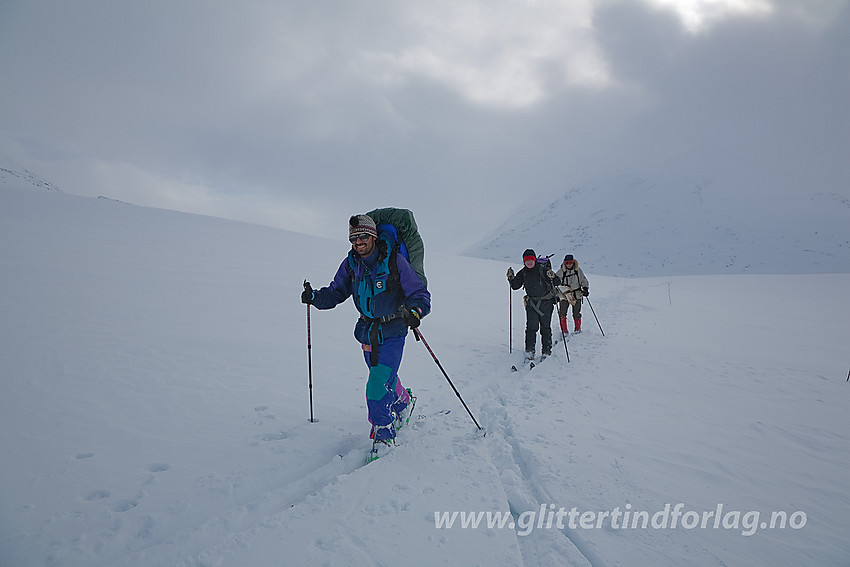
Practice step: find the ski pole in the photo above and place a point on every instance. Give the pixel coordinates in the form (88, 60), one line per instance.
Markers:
(419, 337)
(594, 315)
(510, 320)
(309, 360)
(563, 337)
(564, 340)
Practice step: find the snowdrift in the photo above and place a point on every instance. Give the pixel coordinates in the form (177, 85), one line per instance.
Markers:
(155, 410)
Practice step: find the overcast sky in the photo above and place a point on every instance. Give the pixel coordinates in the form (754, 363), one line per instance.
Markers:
(298, 113)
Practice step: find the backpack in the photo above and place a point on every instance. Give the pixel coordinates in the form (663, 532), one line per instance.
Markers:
(547, 265)
(398, 228)
(546, 261)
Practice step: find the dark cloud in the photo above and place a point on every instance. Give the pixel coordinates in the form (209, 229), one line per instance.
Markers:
(300, 113)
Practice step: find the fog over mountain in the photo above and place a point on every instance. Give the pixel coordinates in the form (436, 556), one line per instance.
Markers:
(634, 226)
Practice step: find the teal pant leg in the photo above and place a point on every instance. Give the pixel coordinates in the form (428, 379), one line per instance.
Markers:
(383, 385)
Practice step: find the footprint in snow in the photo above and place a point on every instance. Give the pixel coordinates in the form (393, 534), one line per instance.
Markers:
(96, 495)
(125, 505)
(262, 414)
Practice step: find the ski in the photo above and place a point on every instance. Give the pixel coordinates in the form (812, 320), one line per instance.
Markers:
(555, 341)
(529, 364)
(526, 364)
(379, 449)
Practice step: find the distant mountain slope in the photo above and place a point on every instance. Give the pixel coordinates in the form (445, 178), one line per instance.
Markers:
(629, 226)
(11, 176)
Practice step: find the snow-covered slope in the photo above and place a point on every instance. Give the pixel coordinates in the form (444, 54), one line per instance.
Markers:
(629, 226)
(154, 410)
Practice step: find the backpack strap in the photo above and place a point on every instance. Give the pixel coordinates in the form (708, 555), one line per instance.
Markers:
(541, 273)
(395, 277)
(388, 234)
(394, 280)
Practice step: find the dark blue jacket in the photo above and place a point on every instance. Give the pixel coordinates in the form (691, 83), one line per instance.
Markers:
(376, 294)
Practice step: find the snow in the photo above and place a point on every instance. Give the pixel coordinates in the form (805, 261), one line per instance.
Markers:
(155, 408)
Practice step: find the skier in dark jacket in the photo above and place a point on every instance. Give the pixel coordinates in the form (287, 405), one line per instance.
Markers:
(390, 299)
(539, 282)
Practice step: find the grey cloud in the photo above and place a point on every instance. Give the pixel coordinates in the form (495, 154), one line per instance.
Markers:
(331, 107)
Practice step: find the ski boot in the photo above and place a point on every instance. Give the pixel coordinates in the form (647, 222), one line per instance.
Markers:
(383, 439)
(402, 417)
(563, 322)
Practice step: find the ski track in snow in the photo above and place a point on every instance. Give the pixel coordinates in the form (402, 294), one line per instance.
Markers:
(340, 475)
(523, 492)
(525, 477)
(307, 480)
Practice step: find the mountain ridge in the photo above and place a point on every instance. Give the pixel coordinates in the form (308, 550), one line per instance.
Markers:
(632, 226)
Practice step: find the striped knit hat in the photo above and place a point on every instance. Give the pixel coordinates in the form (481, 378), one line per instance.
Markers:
(362, 224)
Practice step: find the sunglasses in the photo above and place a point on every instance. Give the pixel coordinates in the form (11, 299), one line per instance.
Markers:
(358, 237)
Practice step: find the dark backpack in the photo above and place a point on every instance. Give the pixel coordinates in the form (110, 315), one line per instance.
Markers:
(547, 265)
(398, 228)
(546, 261)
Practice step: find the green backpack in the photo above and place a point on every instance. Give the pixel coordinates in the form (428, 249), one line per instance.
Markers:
(400, 226)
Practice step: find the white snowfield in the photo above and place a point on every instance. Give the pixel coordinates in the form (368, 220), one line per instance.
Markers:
(154, 410)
